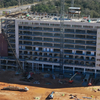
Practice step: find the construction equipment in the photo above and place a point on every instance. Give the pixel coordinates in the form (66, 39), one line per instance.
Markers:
(51, 95)
(70, 80)
(61, 34)
(15, 88)
(86, 77)
(18, 62)
(90, 82)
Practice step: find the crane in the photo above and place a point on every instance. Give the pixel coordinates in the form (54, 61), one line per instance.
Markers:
(61, 33)
(5, 36)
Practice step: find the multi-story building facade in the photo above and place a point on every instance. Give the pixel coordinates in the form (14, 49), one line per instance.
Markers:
(37, 45)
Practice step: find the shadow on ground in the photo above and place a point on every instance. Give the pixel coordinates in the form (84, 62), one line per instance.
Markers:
(41, 80)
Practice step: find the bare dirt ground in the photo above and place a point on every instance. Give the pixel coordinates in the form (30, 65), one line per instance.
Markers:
(42, 90)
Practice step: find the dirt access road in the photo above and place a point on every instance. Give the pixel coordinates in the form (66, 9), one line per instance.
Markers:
(41, 91)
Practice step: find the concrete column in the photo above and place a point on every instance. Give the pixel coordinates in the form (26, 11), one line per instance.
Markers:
(74, 30)
(95, 73)
(52, 44)
(63, 69)
(32, 66)
(6, 67)
(0, 63)
(52, 68)
(84, 71)
(73, 51)
(84, 52)
(23, 65)
(53, 29)
(6, 61)
(42, 68)
(73, 70)
(53, 34)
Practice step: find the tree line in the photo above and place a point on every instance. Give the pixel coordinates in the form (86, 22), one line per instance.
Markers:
(88, 7)
(7, 3)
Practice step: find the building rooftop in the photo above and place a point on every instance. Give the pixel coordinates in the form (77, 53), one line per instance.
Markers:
(74, 8)
(54, 18)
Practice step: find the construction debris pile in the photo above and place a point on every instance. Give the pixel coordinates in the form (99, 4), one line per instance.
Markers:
(15, 88)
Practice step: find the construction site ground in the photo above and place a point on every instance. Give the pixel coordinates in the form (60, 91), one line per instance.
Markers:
(42, 90)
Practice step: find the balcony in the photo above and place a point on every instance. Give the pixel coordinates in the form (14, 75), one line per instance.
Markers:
(47, 29)
(13, 37)
(69, 46)
(27, 27)
(91, 43)
(69, 36)
(57, 35)
(91, 32)
(37, 34)
(11, 64)
(91, 48)
(69, 31)
(38, 39)
(80, 36)
(13, 47)
(56, 30)
(10, 22)
(26, 38)
(90, 54)
(38, 43)
(57, 45)
(28, 33)
(91, 38)
(48, 39)
(29, 44)
(48, 34)
(11, 26)
(57, 40)
(11, 32)
(80, 47)
(9, 57)
(48, 44)
(80, 42)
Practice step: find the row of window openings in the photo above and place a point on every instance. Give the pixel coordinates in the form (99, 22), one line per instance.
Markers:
(65, 51)
(58, 45)
(8, 62)
(58, 55)
(8, 21)
(66, 25)
(57, 60)
(58, 29)
(67, 35)
(58, 40)
(50, 39)
(76, 57)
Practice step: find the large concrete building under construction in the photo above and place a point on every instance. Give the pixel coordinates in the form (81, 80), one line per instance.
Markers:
(36, 42)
